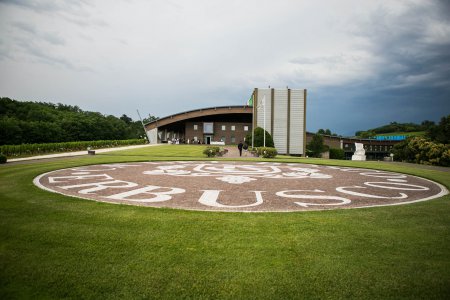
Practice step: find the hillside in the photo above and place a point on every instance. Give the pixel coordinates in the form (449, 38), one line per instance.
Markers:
(395, 128)
(35, 122)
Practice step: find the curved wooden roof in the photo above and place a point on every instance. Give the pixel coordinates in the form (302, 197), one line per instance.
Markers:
(220, 110)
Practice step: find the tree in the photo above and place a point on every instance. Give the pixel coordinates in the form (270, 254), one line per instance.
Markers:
(126, 119)
(441, 132)
(259, 138)
(150, 118)
(316, 146)
(34, 122)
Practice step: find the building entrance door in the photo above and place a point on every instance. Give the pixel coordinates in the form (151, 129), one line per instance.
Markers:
(208, 139)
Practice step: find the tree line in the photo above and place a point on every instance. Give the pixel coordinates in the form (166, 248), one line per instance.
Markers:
(44, 122)
(396, 127)
(432, 149)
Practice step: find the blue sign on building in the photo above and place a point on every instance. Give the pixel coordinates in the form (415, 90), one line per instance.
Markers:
(391, 137)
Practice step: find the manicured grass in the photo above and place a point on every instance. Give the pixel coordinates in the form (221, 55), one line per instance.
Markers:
(53, 246)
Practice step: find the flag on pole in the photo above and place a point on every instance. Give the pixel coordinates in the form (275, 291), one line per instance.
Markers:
(262, 102)
(250, 101)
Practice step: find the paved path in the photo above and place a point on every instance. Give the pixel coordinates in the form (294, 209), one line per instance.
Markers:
(233, 152)
(76, 153)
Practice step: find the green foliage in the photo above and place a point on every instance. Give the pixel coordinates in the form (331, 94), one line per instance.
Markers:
(267, 152)
(441, 132)
(422, 151)
(149, 119)
(259, 138)
(211, 151)
(38, 149)
(395, 127)
(316, 146)
(3, 158)
(32, 122)
(326, 132)
(336, 153)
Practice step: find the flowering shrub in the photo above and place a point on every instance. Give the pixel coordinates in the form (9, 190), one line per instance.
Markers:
(211, 151)
(422, 151)
(266, 152)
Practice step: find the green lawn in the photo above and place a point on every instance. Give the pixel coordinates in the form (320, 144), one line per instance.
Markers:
(53, 246)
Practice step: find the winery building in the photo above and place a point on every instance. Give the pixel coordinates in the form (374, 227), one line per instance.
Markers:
(280, 111)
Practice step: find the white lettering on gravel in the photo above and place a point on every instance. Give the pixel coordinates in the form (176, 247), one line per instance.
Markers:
(284, 194)
(98, 186)
(158, 196)
(78, 177)
(210, 198)
(342, 190)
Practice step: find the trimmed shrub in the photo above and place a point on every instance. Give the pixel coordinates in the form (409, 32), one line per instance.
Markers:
(3, 158)
(267, 152)
(259, 138)
(211, 151)
(337, 153)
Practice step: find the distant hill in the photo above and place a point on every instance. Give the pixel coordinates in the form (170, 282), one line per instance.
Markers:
(395, 128)
(37, 122)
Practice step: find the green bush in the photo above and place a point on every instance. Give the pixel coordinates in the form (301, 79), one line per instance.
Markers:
(3, 158)
(422, 151)
(211, 151)
(38, 149)
(259, 138)
(267, 152)
(336, 153)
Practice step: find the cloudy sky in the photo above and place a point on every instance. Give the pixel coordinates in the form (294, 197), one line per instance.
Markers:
(364, 63)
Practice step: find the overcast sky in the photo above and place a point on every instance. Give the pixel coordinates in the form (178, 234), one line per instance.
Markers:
(364, 63)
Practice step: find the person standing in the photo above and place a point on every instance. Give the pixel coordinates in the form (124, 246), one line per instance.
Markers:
(240, 145)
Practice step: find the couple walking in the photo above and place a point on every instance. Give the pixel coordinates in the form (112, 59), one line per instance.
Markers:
(242, 146)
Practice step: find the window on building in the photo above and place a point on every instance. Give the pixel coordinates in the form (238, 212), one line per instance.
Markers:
(208, 128)
(233, 128)
(195, 138)
(224, 127)
(222, 139)
(245, 128)
(233, 139)
(195, 127)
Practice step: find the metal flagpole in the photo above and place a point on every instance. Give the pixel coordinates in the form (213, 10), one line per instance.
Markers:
(264, 105)
(145, 131)
(255, 105)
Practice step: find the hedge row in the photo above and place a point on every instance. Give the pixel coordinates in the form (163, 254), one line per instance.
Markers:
(38, 149)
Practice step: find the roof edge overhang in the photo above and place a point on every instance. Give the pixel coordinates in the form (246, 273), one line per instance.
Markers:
(217, 110)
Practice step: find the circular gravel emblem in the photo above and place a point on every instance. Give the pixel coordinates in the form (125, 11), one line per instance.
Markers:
(239, 186)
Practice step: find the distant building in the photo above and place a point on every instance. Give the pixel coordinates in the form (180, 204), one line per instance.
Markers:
(375, 149)
(280, 111)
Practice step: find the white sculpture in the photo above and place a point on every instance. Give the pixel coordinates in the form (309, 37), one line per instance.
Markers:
(360, 153)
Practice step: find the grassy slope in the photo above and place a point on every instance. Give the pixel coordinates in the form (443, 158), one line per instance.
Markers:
(54, 246)
(415, 133)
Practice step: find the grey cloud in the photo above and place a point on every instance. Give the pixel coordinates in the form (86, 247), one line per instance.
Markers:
(46, 5)
(405, 41)
(330, 60)
(49, 37)
(75, 12)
